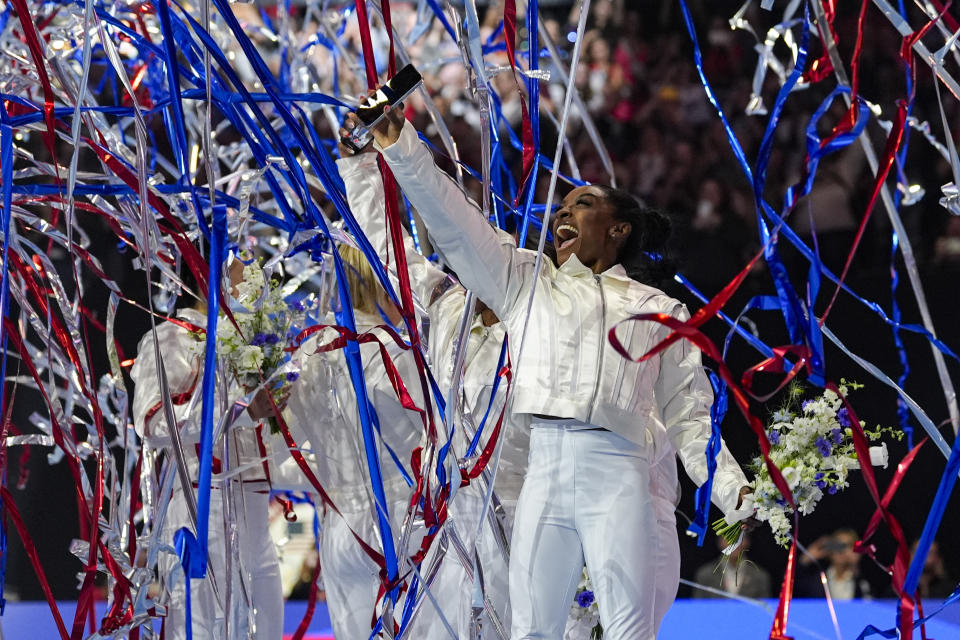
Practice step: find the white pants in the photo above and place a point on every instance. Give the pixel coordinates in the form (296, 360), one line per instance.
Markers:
(667, 581)
(351, 580)
(668, 569)
(586, 499)
(257, 558)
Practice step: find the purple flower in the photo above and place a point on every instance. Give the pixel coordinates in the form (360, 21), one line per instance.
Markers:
(837, 436)
(820, 482)
(832, 490)
(292, 376)
(271, 338)
(843, 417)
(585, 598)
(824, 446)
(297, 305)
(258, 340)
(774, 436)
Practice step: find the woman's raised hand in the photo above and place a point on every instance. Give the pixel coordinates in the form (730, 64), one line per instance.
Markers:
(385, 133)
(388, 129)
(350, 123)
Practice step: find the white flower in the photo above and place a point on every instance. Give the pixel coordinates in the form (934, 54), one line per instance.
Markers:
(879, 456)
(792, 476)
(250, 358)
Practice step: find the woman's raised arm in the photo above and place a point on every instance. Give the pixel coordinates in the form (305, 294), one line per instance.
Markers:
(361, 175)
(484, 258)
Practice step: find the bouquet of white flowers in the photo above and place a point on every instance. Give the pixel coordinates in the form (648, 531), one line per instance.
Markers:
(812, 445)
(584, 612)
(256, 347)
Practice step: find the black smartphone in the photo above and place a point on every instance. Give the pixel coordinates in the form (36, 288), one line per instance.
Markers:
(371, 111)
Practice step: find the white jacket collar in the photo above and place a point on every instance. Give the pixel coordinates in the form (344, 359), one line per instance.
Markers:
(574, 267)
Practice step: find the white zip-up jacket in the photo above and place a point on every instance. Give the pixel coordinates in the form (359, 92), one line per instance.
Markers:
(322, 402)
(569, 369)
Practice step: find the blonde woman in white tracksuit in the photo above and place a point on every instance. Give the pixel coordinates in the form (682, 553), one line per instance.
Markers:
(599, 421)
(324, 404)
(443, 302)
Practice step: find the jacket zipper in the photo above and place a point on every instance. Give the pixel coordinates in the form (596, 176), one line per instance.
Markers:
(603, 326)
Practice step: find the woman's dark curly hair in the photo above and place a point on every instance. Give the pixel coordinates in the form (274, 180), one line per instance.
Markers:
(644, 254)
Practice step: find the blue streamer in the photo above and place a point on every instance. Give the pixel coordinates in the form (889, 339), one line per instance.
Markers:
(6, 166)
(700, 525)
(493, 394)
(871, 630)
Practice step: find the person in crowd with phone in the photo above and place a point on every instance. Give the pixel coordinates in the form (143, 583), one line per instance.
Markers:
(598, 420)
(842, 568)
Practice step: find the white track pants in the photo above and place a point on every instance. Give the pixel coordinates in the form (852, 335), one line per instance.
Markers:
(586, 499)
(351, 579)
(257, 556)
(668, 569)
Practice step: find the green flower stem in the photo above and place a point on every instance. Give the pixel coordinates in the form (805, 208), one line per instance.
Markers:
(729, 532)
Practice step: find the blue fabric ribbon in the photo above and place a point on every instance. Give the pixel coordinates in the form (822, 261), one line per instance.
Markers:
(700, 525)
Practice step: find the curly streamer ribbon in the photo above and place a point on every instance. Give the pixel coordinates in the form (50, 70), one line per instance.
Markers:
(863, 545)
(6, 179)
(406, 307)
(34, 557)
(906, 248)
(529, 144)
(345, 315)
(475, 442)
(862, 448)
(192, 549)
(934, 517)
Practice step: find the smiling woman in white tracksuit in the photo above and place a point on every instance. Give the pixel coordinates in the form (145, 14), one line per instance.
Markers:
(599, 421)
(323, 403)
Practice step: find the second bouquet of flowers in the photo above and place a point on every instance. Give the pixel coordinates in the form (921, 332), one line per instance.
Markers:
(812, 445)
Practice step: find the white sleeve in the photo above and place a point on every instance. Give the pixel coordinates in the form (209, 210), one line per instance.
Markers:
(308, 407)
(684, 397)
(182, 365)
(485, 259)
(364, 184)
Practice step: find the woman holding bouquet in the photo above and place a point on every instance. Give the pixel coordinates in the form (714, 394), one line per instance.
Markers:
(257, 573)
(324, 405)
(599, 421)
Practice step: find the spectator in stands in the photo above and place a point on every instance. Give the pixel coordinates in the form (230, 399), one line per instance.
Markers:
(934, 583)
(842, 571)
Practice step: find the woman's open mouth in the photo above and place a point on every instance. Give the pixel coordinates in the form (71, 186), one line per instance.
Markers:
(566, 236)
